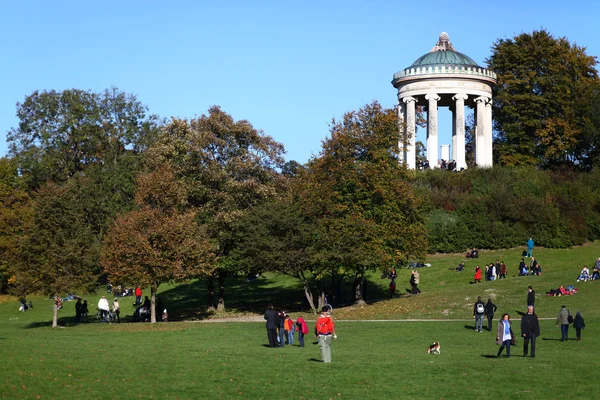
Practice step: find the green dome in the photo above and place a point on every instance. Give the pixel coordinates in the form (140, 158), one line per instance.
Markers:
(444, 57)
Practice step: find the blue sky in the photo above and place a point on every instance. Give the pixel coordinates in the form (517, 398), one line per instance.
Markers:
(287, 67)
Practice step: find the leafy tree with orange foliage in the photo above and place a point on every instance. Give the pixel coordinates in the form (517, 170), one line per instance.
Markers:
(158, 242)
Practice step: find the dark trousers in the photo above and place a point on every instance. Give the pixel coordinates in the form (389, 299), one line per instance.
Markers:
(138, 299)
(415, 289)
(526, 345)
(489, 318)
(564, 332)
(301, 338)
(506, 344)
(578, 332)
(272, 336)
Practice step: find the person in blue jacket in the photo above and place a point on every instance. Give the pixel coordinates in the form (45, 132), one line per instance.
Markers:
(530, 247)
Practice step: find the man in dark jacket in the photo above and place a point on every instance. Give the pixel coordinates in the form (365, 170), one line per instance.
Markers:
(530, 296)
(272, 323)
(530, 329)
(490, 309)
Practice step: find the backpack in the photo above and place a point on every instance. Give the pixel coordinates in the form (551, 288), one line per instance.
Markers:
(570, 318)
(480, 308)
(323, 325)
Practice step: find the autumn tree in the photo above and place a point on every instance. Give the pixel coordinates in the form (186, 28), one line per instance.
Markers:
(158, 242)
(59, 253)
(540, 111)
(361, 198)
(15, 216)
(228, 167)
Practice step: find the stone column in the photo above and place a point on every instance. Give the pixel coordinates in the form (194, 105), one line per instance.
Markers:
(402, 133)
(432, 130)
(489, 156)
(411, 128)
(452, 110)
(480, 132)
(459, 127)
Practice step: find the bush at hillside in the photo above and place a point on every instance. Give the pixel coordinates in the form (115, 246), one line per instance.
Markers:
(502, 207)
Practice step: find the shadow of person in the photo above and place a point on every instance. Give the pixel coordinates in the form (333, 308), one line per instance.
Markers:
(521, 313)
(314, 360)
(547, 338)
(488, 356)
(470, 327)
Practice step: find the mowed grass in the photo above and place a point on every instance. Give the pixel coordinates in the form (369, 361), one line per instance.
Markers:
(371, 360)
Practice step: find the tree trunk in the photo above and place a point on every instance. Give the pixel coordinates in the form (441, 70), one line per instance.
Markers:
(221, 304)
(358, 289)
(309, 297)
(321, 300)
(55, 313)
(210, 301)
(153, 290)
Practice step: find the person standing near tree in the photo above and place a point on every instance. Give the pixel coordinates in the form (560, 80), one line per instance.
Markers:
(530, 296)
(117, 310)
(490, 309)
(272, 319)
(104, 308)
(530, 244)
(530, 330)
(138, 295)
(564, 319)
(324, 331)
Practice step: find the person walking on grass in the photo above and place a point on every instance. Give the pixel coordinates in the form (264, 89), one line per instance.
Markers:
(478, 313)
(530, 330)
(414, 282)
(325, 331)
(504, 335)
(302, 329)
(564, 319)
(117, 310)
(272, 319)
(477, 276)
(530, 296)
(490, 309)
(578, 324)
(530, 245)
(104, 308)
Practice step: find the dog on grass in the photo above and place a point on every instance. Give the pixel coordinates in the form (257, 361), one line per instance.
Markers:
(434, 348)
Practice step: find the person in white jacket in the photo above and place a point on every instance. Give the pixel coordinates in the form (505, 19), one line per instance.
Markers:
(104, 308)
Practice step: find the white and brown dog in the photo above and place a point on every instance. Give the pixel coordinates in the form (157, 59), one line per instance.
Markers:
(434, 348)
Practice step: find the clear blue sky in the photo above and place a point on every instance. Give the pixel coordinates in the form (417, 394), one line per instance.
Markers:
(287, 67)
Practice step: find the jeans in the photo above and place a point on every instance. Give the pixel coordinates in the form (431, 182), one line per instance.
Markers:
(526, 341)
(301, 338)
(564, 331)
(138, 299)
(529, 251)
(291, 337)
(479, 322)
(506, 344)
(281, 337)
(104, 314)
(325, 345)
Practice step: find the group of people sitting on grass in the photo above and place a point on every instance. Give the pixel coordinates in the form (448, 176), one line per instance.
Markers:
(585, 276)
(534, 268)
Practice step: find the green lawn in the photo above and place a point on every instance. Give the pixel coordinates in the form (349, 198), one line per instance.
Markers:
(371, 360)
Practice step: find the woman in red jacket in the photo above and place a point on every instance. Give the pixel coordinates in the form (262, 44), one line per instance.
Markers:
(477, 276)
